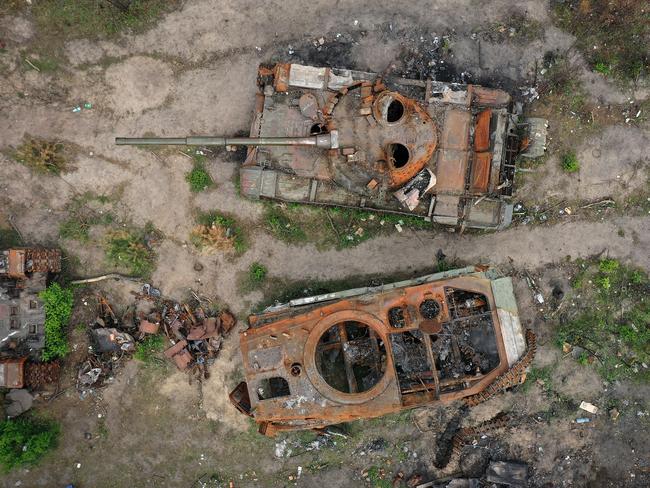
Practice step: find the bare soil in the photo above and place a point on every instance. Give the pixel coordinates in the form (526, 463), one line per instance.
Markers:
(194, 73)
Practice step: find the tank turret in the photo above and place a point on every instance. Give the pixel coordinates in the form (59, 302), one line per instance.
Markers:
(445, 152)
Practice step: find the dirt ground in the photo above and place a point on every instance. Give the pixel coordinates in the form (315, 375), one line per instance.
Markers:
(193, 72)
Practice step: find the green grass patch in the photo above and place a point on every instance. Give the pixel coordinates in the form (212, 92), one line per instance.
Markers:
(199, 178)
(47, 157)
(333, 227)
(148, 351)
(570, 163)
(58, 302)
(92, 18)
(379, 477)
(24, 441)
(82, 216)
(129, 250)
(255, 277)
(218, 232)
(612, 35)
(612, 320)
(541, 375)
(280, 224)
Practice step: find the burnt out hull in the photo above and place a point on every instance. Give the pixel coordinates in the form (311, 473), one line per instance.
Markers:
(368, 352)
(464, 136)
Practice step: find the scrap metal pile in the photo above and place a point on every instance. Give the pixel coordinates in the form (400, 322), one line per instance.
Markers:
(195, 335)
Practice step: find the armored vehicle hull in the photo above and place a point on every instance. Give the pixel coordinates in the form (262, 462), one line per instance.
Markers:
(368, 352)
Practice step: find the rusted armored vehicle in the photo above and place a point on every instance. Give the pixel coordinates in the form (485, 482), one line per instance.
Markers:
(368, 352)
(445, 152)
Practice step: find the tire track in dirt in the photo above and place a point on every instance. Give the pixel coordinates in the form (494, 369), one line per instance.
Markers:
(526, 246)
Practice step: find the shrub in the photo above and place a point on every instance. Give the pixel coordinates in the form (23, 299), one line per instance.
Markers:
(608, 266)
(218, 232)
(570, 163)
(25, 441)
(257, 272)
(58, 308)
(602, 68)
(129, 250)
(199, 179)
(42, 156)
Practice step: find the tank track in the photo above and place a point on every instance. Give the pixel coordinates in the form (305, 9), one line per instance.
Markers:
(514, 376)
(499, 422)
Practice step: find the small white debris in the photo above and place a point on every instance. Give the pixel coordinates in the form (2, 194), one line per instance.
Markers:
(398, 227)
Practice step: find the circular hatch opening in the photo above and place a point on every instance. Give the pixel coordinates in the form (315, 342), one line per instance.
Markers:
(398, 154)
(351, 357)
(395, 111)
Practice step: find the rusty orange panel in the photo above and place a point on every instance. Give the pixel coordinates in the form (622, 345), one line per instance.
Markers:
(489, 97)
(451, 169)
(482, 131)
(480, 176)
(16, 263)
(281, 82)
(455, 132)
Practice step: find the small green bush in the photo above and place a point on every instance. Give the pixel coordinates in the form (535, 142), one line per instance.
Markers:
(199, 179)
(257, 273)
(608, 266)
(129, 250)
(604, 283)
(147, 350)
(570, 163)
(23, 442)
(602, 68)
(58, 309)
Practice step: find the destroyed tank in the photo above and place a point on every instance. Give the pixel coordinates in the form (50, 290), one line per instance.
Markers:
(368, 352)
(445, 152)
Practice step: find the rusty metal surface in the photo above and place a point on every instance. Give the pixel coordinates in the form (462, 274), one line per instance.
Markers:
(482, 131)
(434, 129)
(373, 354)
(480, 172)
(12, 372)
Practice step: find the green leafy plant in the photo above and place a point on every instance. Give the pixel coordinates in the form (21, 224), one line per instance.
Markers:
(58, 303)
(257, 272)
(199, 179)
(603, 282)
(608, 266)
(570, 162)
(128, 249)
(147, 350)
(602, 68)
(24, 441)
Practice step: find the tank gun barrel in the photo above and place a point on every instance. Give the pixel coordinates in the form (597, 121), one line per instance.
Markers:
(326, 141)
